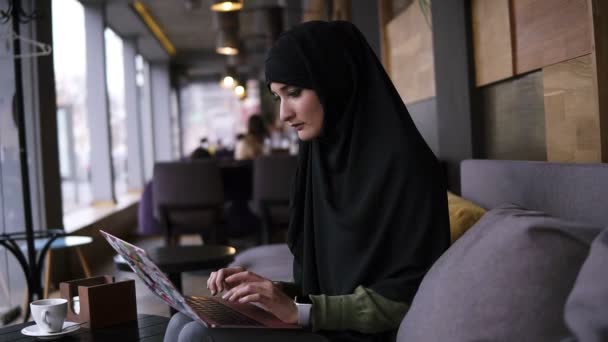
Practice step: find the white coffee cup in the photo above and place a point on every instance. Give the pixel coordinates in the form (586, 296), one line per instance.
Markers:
(49, 314)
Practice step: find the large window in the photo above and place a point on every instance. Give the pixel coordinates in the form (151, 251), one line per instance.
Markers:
(216, 113)
(142, 79)
(116, 94)
(12, 218)
(69, 58)
(11, 199)
(175, 129)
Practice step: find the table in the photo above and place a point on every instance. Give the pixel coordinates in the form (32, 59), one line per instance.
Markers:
(44, 241)
(177, 259)
(149, 328)
(60, 243)
(32, 272)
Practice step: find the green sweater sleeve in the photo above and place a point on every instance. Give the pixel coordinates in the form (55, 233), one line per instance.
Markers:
(364, 311)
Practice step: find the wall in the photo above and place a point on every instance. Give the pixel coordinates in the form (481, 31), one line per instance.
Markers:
(512, 119)
(536, 90)
(555, 108)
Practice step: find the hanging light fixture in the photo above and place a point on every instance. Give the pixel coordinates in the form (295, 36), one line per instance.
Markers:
(229, 80)
(226, 6)
(239, 91)
(227, 42)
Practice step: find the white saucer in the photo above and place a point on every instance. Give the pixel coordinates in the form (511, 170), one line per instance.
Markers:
(32, 330)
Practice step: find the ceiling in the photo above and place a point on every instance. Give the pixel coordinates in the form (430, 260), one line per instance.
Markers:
(192, 31)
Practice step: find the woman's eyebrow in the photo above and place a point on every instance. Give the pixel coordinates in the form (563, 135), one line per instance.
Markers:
(281, 89)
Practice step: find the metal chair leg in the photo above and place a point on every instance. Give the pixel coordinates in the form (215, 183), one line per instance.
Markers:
(47, 275)
(83, 263)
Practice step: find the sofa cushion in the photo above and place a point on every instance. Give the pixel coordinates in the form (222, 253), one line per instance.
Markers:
(586, 310)
(274, 262)
(463, 215)
(507, 279)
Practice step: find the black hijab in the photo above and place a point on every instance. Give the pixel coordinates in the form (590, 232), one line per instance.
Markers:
(368, 203)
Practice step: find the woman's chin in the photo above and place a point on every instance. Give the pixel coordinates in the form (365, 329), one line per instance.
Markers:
(306, 135)
(303, 136)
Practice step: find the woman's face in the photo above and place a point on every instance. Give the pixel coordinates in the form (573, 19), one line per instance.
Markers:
(300, 108)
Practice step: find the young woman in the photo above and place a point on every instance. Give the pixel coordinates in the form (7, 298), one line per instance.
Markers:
(368, 208)
(252, 144)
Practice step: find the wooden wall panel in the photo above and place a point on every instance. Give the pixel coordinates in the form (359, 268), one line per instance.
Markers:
(314, 10)
(512, 119)
(572, 120)
(341, 10)
(412, 68)
(548, 32)
(492, 41)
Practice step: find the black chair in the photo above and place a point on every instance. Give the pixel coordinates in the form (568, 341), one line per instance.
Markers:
(272, 176)
(189, 198)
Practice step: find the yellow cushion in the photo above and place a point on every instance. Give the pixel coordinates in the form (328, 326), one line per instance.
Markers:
(463, 215)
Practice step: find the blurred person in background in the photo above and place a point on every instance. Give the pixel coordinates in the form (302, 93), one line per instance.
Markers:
(252, 144)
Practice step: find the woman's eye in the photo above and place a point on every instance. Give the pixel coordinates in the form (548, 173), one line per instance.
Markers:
(276, 98)
(294, 92)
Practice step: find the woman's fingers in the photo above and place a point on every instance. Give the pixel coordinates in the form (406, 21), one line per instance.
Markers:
(219, 280)
(255, 297)
(243, 277)
(270, 298)
(264, 288)
(216, 282)
(245, 289)
(211, 283)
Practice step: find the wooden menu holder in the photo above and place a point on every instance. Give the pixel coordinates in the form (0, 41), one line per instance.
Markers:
(103, 302)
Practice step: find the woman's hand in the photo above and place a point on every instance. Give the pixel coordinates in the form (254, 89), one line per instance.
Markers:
(248, 287)
(217, 280)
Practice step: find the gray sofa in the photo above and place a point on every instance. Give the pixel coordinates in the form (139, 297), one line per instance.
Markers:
(525, 272)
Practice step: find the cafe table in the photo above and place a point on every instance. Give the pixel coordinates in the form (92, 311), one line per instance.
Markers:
(149, 328)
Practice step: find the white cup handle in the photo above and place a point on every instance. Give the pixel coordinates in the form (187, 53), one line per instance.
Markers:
(45, 320)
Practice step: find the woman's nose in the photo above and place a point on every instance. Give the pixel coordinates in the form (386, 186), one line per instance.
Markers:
(285, 113)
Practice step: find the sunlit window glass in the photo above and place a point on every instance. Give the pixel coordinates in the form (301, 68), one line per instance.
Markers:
(12, 217)
(118, 123)
(69, 58)
(175, 129)
(215, 113)
(142, 79)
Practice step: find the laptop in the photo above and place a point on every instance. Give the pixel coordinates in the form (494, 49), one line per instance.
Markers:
(213, 312)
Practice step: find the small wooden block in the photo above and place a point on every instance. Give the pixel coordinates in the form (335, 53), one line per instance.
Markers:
(103, 301)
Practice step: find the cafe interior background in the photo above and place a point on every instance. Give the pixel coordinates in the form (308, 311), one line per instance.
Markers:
(102, 90)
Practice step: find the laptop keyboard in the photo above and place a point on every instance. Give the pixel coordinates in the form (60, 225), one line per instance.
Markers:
(222, 314)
